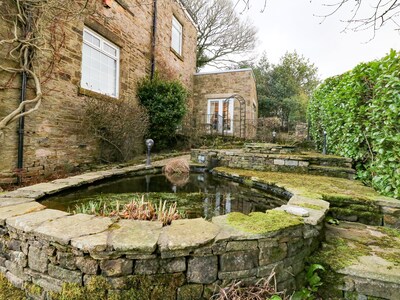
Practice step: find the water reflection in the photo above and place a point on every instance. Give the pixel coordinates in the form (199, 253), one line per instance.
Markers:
(202, 195)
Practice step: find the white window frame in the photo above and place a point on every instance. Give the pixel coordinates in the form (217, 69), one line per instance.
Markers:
(103, 42)
(220, 111)
(177, 26)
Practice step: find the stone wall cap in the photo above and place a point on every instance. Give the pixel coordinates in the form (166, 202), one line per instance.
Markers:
(32, 220)
(64, 229)
(18, 210)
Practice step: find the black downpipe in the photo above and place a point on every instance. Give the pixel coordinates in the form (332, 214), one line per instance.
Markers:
(153, 40)
(21, 128)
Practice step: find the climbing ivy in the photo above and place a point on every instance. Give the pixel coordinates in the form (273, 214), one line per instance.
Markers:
(360, 112)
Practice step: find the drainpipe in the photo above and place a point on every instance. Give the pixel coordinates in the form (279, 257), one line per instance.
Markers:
(153, 40)
(21, 127)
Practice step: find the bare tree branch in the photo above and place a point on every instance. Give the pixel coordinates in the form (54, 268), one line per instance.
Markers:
(221, 32)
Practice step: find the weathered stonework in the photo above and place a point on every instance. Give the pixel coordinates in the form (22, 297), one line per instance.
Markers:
(275, 161)
(186, 259)
(54, 139)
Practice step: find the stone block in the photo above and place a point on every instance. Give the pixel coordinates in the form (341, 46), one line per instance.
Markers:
(87, 265)
(66, 260)
(154, 266)
(202, 269)
(291, 163)
(37, 259)
(19, 258)
(273, 254)
(279, 162)
(64, 274)
(237, 274)
(116, 267)
(241, 245)
(15, 280)
(294, 246)
(239, 260)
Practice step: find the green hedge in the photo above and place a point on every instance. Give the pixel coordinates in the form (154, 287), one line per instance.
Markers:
(360, 111)
(165, 102)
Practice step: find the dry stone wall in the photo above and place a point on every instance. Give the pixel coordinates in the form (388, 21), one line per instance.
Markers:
(40, 249)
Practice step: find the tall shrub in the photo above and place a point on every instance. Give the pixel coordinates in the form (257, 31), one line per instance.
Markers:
(165, 102)
(118, 126)
(360, 111)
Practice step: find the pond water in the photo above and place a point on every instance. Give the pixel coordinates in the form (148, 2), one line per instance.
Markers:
(197, 195)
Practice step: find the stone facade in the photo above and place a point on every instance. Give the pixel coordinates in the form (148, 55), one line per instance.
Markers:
(221, 85)
(54, 137)
(186, 260)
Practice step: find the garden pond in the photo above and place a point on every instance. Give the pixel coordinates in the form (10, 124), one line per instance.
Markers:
(196, 194)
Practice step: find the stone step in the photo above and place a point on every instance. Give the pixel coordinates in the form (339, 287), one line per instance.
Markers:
(365, 261)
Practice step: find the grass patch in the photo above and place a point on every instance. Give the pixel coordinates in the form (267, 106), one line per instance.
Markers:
(10, 292)
(258, 222)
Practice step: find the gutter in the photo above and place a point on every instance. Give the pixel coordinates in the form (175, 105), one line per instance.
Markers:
(21, 128)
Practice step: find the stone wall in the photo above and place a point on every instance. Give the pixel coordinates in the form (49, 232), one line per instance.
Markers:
(186, 260)
(220, 85)
(276, 162)
(54, 136)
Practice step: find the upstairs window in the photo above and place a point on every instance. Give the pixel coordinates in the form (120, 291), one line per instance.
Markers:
(176, 40)
(100, 64)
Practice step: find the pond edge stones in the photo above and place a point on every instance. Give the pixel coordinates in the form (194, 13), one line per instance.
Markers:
(46, 248)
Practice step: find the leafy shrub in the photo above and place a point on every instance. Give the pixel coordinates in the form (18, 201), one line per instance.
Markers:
(360, 111)
(119, 127)
(166, 104)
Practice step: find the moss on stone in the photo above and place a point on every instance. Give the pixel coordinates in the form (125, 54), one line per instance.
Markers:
(34, 289)
(309, 205)
(317, 187)
(258, 222)
(138, 287)
(339, 253)
(8, 291)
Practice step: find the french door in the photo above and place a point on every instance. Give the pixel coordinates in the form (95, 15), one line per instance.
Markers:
(220, 114)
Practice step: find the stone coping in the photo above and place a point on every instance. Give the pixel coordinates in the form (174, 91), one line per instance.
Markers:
(48, 247)
(19, 210)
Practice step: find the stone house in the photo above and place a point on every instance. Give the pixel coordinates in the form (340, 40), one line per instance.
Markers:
(226, 102)
(104, 55)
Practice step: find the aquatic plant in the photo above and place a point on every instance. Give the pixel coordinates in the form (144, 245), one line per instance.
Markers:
(136, 209)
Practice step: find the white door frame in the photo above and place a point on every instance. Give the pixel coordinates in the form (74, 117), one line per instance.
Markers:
(220, 111)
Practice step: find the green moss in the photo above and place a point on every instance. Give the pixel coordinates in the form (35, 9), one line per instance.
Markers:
(8, 291)
(258, 222)
(309, 205)
(339, 253)
(138, 287)
(248, 182)
(34, 289)
(317, 187)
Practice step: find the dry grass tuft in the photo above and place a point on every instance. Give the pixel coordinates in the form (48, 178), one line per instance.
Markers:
(177, 165)
(265, 288)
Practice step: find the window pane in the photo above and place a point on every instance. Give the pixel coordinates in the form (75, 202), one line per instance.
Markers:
(110, 50)
(99, 70)
(176, 40)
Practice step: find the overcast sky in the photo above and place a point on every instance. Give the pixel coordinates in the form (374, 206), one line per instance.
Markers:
(288, 25)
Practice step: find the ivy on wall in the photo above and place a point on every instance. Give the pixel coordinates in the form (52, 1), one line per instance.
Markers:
(360, 112)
